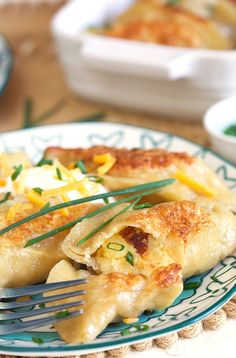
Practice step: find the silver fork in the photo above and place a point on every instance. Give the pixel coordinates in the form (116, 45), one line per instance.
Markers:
(8, 301)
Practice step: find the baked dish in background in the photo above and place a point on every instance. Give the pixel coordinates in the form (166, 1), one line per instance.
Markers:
(135, 250)
(192, 24)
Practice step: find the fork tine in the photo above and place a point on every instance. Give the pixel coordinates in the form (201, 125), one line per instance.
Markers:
(24, 326)
(37, 301)
(40, 311)
(36, 289)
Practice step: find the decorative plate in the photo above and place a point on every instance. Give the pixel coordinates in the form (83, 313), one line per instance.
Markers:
(215, 287)
(6, 63)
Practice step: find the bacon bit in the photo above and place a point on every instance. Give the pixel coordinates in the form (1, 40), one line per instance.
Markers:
(137, 238)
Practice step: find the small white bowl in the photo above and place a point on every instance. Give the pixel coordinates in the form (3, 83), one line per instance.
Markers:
(217, 118)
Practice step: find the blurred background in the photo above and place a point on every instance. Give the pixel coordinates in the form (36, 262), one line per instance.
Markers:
(46, 71)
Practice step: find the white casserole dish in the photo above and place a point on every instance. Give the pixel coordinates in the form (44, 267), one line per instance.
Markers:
(172, 81)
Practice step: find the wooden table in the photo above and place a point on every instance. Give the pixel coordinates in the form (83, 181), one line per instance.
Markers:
(38, 75)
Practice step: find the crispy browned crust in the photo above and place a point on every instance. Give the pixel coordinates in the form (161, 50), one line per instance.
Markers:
(126, 159)
(182, 220)
(20, 235)
(167, 276)
(123, 280)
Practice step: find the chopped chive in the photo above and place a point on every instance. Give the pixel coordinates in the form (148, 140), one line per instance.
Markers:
(81, 166)
(42, 305)
(62, 314)
(153, 186)
(59, 176)
(95, 179)
(38, 190)
(105, 223)
(44, 162)
(5, 198)
(125, 332)
(27, 113)
(17, 172)
(130, 258)
(37, 340)
(106, 200)
(141, 327)
(191, 285)
(143, 206)
(115, 246)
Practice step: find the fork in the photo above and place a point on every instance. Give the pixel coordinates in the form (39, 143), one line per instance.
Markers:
(8, 301)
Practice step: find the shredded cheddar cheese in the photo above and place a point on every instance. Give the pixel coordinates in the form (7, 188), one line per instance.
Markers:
(107, 161)
(65, 211)
(130, 320)
(3, 182)
(35, 198)
(79, 185)
(13, 211)
(193, 184)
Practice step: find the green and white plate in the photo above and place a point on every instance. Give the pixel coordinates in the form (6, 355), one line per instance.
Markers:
(6, 63)
(209, 291)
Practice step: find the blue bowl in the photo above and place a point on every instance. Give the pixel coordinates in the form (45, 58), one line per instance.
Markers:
(6, 63)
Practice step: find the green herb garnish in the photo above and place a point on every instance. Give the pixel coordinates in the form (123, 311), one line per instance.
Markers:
(171, 2)
(191, 285)
(95, 179)
(143, 206)
(115, 246)
(105, 223)
(37, 340)
(62, 314)
(42, 305)
(106, 200)
(153, 186)
(5, 198)
(44, 162)
(130, 258)
(141, 327)
(125, 332)
(59, 176)
(231, 130)
(38, 190)
(81, 166)
(17, 172)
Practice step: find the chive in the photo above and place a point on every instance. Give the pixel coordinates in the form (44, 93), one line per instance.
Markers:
(17, 171)
(44, 162)
(125, 332)
(72, 223)
(106, 200)
(191, 285)
(38, 190)
(95, 179)
(130, 258)
(44, 208)
(62, 314)
(59, 176)
(90, 118)
(115, 246)
(143, 206)
(105, 223)
(42, 305)
(37, 340)
(141, 327)
(130, 190)
(48, 113)
(27, 113)
(81, 166)
(5, 198)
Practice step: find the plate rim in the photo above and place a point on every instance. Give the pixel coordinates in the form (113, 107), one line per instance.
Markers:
(132, 338)
(8, 49)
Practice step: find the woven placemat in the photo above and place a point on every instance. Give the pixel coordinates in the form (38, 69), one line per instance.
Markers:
(211, 323)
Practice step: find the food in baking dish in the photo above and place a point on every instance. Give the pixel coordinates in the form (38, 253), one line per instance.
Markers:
(171, 218)
(173, 24)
